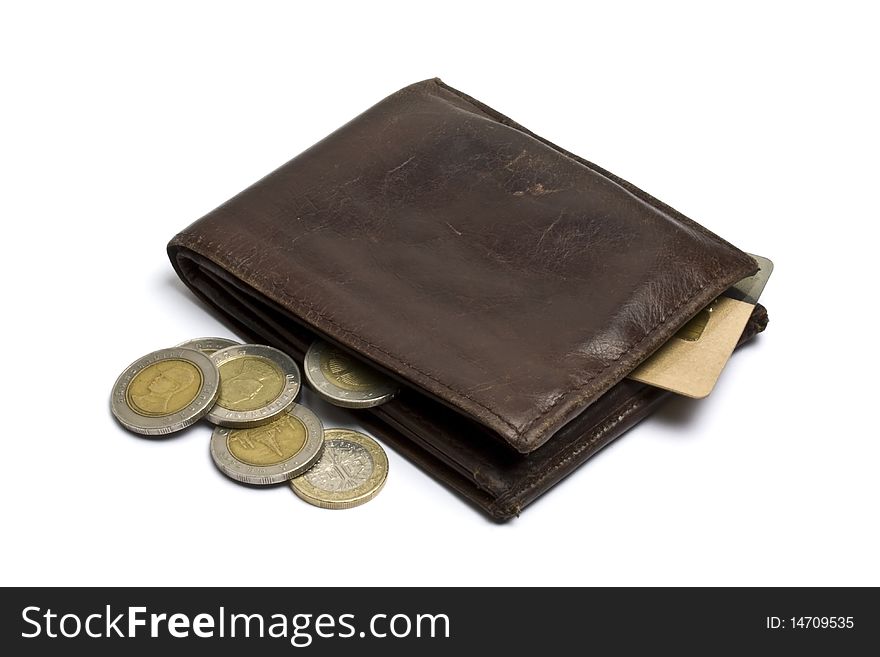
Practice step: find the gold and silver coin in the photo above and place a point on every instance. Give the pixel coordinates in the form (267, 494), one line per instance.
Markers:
(208, 345)
(343, 380)
(165, 391)
(271, 453)
(257, 385)
(350, 472)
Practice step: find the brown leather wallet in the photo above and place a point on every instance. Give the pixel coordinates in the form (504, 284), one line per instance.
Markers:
(507, 284)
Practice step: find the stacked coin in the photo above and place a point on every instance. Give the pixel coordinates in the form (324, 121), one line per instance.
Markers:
(262, 435)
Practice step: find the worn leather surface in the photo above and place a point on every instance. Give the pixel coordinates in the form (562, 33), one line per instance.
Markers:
(477, 263)
(506, 283)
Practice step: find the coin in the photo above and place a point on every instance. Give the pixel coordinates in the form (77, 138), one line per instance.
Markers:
(165, 391)
(350, 472)
(270, 453)
(208, 345)
(343, 380)
(257, 384)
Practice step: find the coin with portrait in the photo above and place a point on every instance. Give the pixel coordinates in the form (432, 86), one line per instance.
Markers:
(257, 385)
(165, 391)
(270, 453)
(208, 345)
(351, 471)
(343, 380)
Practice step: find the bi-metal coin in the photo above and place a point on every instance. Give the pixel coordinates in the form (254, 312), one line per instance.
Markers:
(257, 385)
(271, 453)
(208, 345)
(165, 391)
(350, 472)
(343, 380)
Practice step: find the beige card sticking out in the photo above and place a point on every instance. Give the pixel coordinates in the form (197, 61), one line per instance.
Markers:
(691, 361)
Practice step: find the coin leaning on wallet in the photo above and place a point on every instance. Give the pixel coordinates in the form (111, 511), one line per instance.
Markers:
(262, 436)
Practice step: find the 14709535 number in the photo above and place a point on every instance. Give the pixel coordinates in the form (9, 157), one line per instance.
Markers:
(822, 622)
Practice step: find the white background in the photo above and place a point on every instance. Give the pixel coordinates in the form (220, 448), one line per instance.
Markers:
(121, 125)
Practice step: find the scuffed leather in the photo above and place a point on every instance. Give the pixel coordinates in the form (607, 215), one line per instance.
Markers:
(472, 260)
(509, 285)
